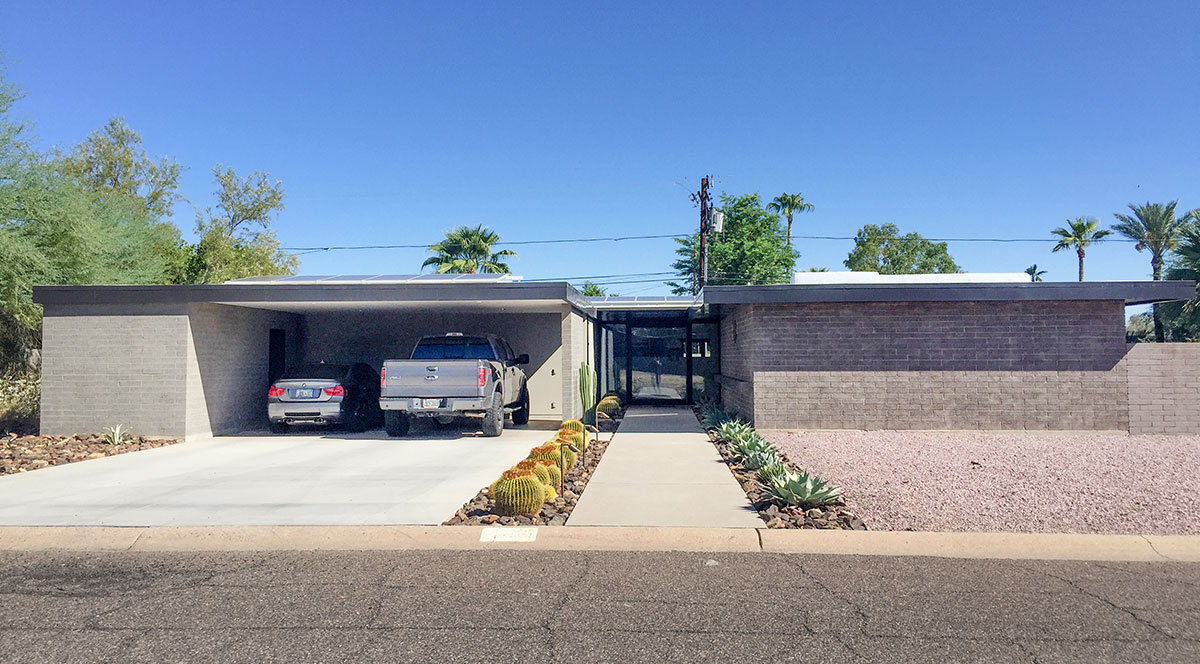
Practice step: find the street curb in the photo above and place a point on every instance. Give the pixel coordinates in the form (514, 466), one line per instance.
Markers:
(1013, 546)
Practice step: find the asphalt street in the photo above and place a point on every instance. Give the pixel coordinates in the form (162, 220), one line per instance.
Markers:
(506, 606)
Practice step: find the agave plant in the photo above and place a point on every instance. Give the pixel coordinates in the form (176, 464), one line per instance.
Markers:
(715, 415)
(752, 444)
(761, 458)
(773, 473)
(733, 430)
(803, 490)
(115, 435)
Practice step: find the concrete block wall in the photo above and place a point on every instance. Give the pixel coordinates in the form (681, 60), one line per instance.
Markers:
(1164, 388)
(228, 359)
(576, 343)
(947, 365)
(109, 365)
(737, 360)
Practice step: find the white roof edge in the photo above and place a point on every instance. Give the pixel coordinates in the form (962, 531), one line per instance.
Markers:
(836, 278)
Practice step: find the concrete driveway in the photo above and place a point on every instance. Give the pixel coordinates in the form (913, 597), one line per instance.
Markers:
(294, 479)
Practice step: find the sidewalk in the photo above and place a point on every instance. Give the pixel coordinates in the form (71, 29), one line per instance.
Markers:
(661, 470)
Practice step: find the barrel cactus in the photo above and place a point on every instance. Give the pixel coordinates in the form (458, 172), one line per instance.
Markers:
(576, 438)
(539, 471)
(518, 492)
(574, 425)
(552, 470)
(608, 406)
(547, 451)
(551, 494)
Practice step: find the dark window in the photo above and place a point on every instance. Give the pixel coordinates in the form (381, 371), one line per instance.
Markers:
(454, 348)
(316, 372)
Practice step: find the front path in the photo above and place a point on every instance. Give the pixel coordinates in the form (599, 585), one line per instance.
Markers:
(661, 470)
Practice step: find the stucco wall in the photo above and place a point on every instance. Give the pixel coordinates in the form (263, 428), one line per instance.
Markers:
(227, 366)
(1164, 388)
(109, 365)
(948, 365)
(373, 336)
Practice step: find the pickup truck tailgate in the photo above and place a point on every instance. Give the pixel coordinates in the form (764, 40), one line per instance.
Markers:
(432, 378)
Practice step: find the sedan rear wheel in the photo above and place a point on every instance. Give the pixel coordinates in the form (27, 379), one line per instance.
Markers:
(278, 427)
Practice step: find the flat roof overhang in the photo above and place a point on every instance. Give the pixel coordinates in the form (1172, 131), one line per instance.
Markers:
(1129, 292)
(286, 296)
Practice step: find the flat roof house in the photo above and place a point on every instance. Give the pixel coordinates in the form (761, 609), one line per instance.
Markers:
(991, 354)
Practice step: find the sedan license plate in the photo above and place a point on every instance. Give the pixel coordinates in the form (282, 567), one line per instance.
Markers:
(304, 394)
(431, 403)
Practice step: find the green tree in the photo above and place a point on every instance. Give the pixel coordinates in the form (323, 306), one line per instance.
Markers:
(594, 290)
(235, 235)
(111, 162)
(789, 204)
(468, 250)
(1034, 273)
(1080, 233)
(1154, 227)
(882, 249)
(1181, 320)
(752, 249)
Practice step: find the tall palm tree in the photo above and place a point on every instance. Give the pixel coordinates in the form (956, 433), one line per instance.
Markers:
(1153, 226)
(1080, 233)
(1034, 273)
(469, 250)
(789, 204)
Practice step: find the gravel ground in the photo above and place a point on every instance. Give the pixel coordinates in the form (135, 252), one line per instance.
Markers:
(1077, 482)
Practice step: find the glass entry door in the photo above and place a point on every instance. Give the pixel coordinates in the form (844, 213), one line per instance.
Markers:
(658, 367)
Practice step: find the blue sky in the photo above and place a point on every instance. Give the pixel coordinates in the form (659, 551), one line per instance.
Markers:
(393, 122)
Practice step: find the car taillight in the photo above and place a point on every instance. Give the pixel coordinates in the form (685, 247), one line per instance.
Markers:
(275, 391)
(336, 391)
(482, 376)
(382, 377)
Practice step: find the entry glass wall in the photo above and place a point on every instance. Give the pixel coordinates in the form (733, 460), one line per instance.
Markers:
(658, 360)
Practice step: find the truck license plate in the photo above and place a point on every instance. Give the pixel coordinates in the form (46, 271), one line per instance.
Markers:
(431, 403)
(303, 394)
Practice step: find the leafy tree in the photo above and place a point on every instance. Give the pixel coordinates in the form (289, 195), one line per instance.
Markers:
(594, 290)
(1140, 328)
(1181, 320)
(1035, 274)
(753, 249)
(1079, 234)
(236, 239)
(468, 250)
(788, 204)
(882, 249)
(111, 162)
(1154, 227)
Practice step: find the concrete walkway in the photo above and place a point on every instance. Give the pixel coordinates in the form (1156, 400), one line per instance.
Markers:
(661, 470)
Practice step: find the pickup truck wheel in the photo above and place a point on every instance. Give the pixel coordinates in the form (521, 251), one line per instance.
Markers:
(395, 423)
(521, 414)
(493, 418)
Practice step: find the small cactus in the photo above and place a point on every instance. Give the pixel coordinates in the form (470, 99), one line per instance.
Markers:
(608, 406)
(539, 471)
(552, 469)
(575, 438)
(518, 492)
(574, 425)
(551, 494)
(547, 451)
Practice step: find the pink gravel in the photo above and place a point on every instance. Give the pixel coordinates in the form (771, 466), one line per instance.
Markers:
(968, 481)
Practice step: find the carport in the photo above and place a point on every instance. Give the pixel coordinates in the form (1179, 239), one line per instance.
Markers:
(192, 361)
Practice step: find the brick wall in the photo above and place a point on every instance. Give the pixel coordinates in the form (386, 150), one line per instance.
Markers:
(229, 361)
(103, 366)
(947, 365)
(1164, 388)
(737, 357)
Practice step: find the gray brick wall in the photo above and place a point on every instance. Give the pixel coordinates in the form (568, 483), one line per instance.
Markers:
(103, 366)
(229, 360)
(1164, 388)
(970, 365)
(737, 357)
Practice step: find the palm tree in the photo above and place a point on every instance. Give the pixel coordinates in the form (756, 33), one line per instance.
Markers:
(467, 251)
(788, 204)
(1034, 273)
(1080, 234)
(1153, 226)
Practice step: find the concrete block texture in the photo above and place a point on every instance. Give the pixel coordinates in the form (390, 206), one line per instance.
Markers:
(928, 365)
(109, 365)
(1164, 388)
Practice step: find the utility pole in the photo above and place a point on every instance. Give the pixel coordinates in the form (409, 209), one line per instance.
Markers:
(703, 198)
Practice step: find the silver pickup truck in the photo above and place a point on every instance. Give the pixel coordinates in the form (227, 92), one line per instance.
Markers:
(452, 375)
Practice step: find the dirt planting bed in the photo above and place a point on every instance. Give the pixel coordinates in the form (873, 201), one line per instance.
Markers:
(19, 454)
(479, 511)
(977, 481)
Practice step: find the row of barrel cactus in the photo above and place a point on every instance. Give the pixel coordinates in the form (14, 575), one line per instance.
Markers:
(523, 488)
(782, 484)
